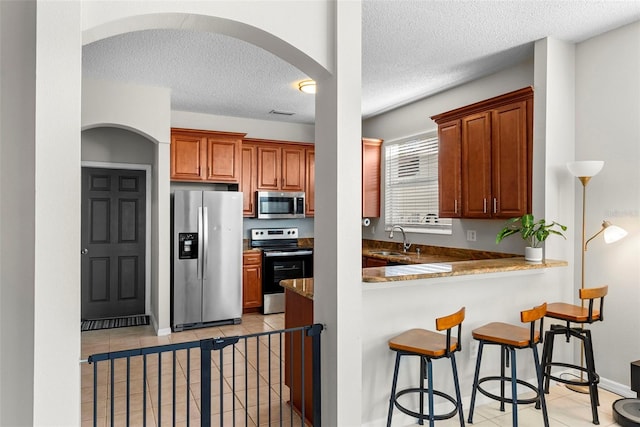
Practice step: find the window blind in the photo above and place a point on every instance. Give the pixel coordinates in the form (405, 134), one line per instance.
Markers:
(411, 185)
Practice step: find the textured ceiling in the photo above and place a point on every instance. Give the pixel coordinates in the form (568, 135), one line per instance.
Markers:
(410, 50)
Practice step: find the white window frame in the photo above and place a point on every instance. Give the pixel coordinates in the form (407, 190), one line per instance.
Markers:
(418, 174)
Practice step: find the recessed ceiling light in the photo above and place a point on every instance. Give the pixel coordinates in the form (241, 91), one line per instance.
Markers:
(307, 86)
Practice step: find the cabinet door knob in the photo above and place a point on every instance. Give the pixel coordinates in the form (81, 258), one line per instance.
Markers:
(495, 205)
(484, 206)
(84, 251)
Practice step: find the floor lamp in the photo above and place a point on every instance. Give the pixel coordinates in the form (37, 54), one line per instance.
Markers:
(584, 171)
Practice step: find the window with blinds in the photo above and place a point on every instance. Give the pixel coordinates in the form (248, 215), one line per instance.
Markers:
(411, 185)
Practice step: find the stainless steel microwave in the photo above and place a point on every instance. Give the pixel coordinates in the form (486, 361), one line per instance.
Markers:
(279, 205)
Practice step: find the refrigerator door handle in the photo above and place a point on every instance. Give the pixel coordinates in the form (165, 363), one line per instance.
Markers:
(200, 247)
(205, 252)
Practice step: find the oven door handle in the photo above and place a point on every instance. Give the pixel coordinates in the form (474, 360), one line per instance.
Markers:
(282, 268)
(296, 253)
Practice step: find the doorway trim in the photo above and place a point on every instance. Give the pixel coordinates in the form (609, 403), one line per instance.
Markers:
(147, 243)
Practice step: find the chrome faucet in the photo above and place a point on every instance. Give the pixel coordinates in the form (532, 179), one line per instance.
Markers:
(405, 243)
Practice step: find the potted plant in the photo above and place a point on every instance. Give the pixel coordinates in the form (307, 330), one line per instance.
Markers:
(533, 232)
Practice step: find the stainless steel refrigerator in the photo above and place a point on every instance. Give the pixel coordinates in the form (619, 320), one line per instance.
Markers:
(206, 287)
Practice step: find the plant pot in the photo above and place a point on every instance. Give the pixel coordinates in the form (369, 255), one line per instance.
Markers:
(533, 254)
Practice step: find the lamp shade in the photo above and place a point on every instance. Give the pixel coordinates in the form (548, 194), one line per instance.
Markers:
(613, 233)
(585, 168)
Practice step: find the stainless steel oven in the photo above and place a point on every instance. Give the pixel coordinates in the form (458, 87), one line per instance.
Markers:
(282, 259)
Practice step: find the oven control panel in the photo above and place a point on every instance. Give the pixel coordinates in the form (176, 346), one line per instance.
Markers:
(274, 233)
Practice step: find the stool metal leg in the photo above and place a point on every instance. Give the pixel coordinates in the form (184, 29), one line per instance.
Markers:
(514, 388)
(430, 380)
(392, 399)
(547, 352)
(541, 399)
(423, 375)
(457, 386)
(591, 375)
(503, 363)
(475, 382)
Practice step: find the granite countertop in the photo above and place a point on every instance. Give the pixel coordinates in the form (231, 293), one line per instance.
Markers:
(303, 287)
(455, 268)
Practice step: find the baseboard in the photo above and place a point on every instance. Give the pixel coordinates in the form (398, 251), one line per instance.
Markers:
(159, 332)
(617, 388)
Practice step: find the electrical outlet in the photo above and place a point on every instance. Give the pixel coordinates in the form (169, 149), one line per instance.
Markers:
(471, 235)
(473, 349)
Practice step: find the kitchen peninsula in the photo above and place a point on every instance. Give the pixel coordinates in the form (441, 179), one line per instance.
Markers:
(411, 295)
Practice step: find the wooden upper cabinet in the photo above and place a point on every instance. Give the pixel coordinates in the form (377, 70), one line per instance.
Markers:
(248, 181)
(511, 183)
(310, 184)
(495, 142)
(268, 168)
(198, 155)
(281, 166)
(476, 166)
(450, 158)
(371, 152)
(293, 168)
(271, 165)
(187, 151)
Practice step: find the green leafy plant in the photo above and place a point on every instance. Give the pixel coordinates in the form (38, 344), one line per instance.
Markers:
(532, 231)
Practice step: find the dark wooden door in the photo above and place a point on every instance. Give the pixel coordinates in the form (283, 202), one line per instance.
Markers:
(113, 242)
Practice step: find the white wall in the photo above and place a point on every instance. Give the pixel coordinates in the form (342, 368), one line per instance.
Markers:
(57, 215)
(608, 128)
(17, 210)
(145, 111)
(337, 254)
(253, 128)
(115, 145)
(60, 30)
(394, 307)
(415, 118)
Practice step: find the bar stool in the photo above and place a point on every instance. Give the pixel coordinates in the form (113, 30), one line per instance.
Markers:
(576, 314)
(511, 338)
(428, 345)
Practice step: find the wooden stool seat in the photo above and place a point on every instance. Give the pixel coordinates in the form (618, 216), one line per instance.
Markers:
(428, 345)
(570, 312)
(580, 315)
(424, 342)
(511, 338)
(505, 333)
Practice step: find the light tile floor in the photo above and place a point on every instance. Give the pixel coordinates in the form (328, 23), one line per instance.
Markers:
(565, 407)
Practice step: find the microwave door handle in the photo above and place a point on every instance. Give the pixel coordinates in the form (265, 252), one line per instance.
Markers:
(205, 255)
(200, 247)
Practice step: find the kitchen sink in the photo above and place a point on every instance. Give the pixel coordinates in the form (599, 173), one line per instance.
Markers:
(388, 253)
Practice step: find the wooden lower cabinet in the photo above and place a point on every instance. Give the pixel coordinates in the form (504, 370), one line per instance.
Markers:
(298, 312)
(373, 262)
(251, 281)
